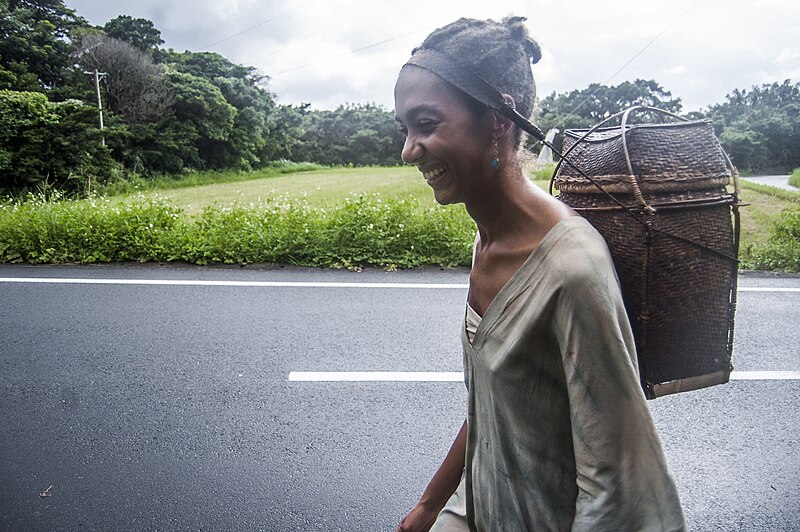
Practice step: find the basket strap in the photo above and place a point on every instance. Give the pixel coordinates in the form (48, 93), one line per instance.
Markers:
(644, 311)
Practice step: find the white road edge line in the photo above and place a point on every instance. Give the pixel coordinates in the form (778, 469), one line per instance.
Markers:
(457, 376)
(765, 375)
(288, 284)
(766, 289)
(183, 282)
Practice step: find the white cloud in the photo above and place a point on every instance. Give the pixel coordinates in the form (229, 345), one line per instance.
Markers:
(702, 49)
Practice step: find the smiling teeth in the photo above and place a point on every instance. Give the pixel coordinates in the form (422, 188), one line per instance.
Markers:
(433, 174)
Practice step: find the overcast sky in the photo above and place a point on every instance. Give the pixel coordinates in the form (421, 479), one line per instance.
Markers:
(329, 52)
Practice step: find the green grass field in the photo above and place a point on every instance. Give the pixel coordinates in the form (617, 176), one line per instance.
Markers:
(763, 207)
(320, 188)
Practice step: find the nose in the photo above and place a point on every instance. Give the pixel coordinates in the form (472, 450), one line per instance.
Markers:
(412, 150)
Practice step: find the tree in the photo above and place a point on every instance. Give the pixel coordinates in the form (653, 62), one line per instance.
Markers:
(587, 107)
(286, 126)
(202, 117)
(211, 65)
(138, 32)
(355, 134)
(135, 86)
(760, 128)
(256, 136)
(48, 142)
(35, 42)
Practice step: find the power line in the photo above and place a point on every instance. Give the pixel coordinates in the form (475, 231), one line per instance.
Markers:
(206, 47)
(350, 52)
(303, 39)
(301, 67)
(632, 59)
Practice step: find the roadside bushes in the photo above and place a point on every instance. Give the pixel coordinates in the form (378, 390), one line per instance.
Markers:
(363, 230)
(52, 230)
(794, 178)
(781, 251)
(44, 143)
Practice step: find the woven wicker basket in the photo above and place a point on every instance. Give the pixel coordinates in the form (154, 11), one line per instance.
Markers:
(656, 192)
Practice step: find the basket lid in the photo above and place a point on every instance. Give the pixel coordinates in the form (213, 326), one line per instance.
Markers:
(606, 133)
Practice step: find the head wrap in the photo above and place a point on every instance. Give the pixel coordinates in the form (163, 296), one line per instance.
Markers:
(469, 82)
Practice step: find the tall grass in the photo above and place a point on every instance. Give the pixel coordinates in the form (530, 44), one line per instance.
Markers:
(781, 251)
(362, 230)
(52, 229)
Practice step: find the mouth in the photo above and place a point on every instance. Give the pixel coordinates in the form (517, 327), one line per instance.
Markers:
(432, 175)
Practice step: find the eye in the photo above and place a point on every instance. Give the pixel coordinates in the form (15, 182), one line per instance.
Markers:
(403, 130)
(426, 126)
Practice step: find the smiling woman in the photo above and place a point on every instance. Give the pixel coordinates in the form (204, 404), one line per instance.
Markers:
(557, 435)
(445, 139)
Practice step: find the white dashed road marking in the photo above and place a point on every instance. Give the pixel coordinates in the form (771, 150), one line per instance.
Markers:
(367, 376)
(457, 376)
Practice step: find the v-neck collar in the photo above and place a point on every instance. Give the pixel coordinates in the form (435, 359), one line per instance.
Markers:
(500, 301)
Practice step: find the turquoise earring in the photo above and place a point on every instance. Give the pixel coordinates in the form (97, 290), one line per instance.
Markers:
(495, 162)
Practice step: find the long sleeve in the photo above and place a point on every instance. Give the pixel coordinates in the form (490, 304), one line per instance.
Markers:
(622, 475)
(560, 436)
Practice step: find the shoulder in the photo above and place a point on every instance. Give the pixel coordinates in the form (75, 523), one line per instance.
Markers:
(577, 254)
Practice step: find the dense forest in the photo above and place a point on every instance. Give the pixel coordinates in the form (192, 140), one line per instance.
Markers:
(168, 112)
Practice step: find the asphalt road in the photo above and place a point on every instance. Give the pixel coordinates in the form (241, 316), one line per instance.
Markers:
(778, 181)
(168, 407)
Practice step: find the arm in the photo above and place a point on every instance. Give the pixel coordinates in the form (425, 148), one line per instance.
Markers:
(622, 475)
(440, 488)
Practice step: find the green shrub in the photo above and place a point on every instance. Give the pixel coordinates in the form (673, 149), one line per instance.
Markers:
(542, 173)
(363, 230)
(48, 143)
(54, 230)
(794, 179)
(781, 251)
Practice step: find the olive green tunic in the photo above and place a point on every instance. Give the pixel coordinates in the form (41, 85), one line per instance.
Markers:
(559, 434)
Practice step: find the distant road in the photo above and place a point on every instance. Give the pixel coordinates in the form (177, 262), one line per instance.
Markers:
(779, 181)
(149, 397)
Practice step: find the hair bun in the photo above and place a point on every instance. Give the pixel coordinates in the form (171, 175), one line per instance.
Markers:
(501, 52)
(517, 27)
(533, 50)
(519, 32)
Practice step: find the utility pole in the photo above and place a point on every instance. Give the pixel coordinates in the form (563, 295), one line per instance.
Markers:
(97, 76)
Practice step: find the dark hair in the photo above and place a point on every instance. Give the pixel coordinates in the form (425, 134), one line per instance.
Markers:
(499, 52)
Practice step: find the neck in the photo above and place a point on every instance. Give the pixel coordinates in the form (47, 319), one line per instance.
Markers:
(513, 209)
(501, 208)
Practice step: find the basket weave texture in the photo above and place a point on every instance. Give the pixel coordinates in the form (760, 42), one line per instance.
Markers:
(665, 158)
(676, 263)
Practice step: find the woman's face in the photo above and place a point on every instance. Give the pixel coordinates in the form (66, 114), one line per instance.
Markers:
(448, 141)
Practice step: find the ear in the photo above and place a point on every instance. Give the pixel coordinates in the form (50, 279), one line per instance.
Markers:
(500, 124)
